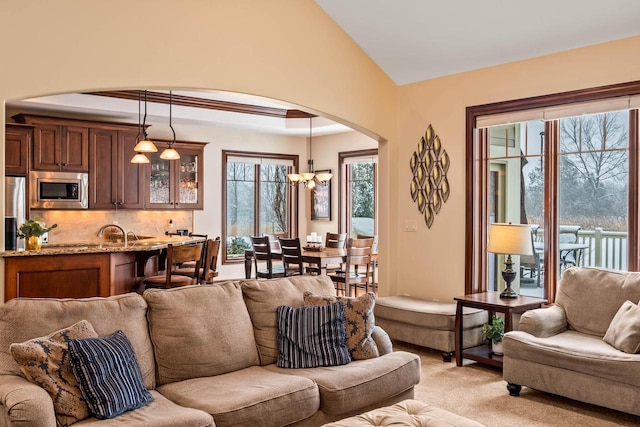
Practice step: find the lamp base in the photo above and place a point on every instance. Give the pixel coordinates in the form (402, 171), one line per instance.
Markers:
(508, 293)
(508, 275)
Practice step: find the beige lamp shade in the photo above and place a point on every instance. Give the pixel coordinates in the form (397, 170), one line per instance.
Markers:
(510, 239)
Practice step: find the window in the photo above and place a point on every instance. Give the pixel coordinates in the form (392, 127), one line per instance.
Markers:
(358, 192)
(258, 199)
(567, 169)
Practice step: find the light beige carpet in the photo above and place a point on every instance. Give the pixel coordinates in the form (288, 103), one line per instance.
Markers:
(478, 392)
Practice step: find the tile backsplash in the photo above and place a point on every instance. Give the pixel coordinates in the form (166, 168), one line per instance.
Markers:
(76, 226)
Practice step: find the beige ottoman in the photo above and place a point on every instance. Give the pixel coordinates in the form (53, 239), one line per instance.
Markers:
(428, 323)
(406, 413)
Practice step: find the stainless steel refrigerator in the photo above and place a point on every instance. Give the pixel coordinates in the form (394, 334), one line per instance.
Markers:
(15, 210)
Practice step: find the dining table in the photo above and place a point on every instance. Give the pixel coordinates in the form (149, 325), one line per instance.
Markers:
(322, 258)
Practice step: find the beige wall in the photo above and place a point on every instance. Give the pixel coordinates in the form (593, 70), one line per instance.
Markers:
(290, 50)
(430, 262)
(282, 49)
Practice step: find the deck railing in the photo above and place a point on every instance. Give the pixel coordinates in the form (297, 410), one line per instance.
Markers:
(606, 249)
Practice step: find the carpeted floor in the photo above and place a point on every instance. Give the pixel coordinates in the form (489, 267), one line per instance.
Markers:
(478, 392)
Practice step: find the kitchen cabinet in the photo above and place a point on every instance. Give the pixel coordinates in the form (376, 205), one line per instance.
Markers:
(58, 144)
(16, 149)
(71, 276)
(176, 184)
(114, 182)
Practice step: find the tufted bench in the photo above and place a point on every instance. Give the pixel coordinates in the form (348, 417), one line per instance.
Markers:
(406, 413)
(428, 323)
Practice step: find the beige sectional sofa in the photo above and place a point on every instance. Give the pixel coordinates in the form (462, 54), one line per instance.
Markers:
(562, 349)
(207, 354)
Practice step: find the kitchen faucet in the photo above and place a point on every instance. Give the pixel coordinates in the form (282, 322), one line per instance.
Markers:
(104, 227)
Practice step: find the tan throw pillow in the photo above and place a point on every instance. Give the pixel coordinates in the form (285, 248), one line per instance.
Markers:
(358, 319)
(45, 361)
(624, 329)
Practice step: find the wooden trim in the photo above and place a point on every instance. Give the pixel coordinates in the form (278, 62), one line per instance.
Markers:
(292, 193)
(35, 119)
(551, 133)
(634, 209)
(474, 231)
(209, 104)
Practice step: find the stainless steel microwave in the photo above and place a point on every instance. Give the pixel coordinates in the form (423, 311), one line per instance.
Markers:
(58, 190)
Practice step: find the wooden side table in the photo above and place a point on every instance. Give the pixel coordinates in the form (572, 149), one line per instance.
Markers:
(491, 302)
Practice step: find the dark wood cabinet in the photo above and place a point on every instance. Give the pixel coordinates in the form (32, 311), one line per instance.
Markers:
(58, 144)
(176, 184)
(71, 276)
(114, 182)
(17, 143)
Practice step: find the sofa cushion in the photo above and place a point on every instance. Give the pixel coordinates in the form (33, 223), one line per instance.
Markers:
(312, 336)
(45, 362)
(348, 388)
(126, 312)
(359, 321)
(162, 412)
(109, 375)
(263, 297)
(591, 297)
(575, 352)
(624, 330)
(198, 331)
(248, 397)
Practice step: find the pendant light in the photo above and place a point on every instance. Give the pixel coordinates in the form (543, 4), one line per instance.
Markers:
(309, 178)
(146, 145)
(170, 153)
(139, 157)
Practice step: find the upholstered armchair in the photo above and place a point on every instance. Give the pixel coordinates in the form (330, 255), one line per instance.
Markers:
(575, 348)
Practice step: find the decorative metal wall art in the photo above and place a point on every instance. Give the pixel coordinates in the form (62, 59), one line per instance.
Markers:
(429, 185)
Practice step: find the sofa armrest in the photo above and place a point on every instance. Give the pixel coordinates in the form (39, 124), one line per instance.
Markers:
(24, 404)
(383, 341)
(544, 322)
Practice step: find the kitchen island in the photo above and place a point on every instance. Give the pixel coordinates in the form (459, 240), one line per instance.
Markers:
(84, 269)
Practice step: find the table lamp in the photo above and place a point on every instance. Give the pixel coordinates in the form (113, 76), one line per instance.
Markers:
(510, 239)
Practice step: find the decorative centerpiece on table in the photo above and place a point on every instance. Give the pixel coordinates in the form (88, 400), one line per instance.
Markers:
(32, 231)
(494, 331)
(314, 243)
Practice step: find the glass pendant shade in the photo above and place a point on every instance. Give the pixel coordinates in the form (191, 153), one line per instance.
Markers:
(140, 158)
(307, 176)
(169, 154)
(324, 177)
(145, 146)
(294, 177)
(311, 184)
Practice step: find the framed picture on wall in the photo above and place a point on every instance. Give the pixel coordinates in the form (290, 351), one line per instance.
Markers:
(321, 200)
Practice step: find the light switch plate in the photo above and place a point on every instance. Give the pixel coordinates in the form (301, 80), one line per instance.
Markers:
(410, 225)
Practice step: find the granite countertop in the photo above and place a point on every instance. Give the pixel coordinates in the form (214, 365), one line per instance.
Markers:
(98, 246)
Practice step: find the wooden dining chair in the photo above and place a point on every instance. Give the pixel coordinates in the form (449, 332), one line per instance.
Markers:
(209, 268)
(291, 256)
(374, 262)
(357, 267)
(273, 240)
(177, 255)
(262, 253)
(332, 240)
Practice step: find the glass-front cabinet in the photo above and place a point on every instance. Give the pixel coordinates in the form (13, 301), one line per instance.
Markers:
(176, 184)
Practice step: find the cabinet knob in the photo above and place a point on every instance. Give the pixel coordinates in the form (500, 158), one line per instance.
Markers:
(65, 164)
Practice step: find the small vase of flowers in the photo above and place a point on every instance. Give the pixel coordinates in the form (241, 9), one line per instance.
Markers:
(494, 331)
(32, 231)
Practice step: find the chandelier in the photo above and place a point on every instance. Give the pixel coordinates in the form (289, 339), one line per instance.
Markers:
(309, 178)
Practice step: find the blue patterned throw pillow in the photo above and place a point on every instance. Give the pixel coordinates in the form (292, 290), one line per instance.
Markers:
(109, 375)
(312, 336)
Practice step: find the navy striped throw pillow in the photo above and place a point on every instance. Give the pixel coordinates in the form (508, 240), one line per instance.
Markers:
(109, 375)
(312, 336)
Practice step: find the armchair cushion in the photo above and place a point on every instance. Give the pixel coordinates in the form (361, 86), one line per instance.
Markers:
(544, 322)
(45, 362)
(359, 321)
(624, 330)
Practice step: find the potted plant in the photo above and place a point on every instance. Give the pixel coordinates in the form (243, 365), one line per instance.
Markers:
(494, 331)
(32, 231)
